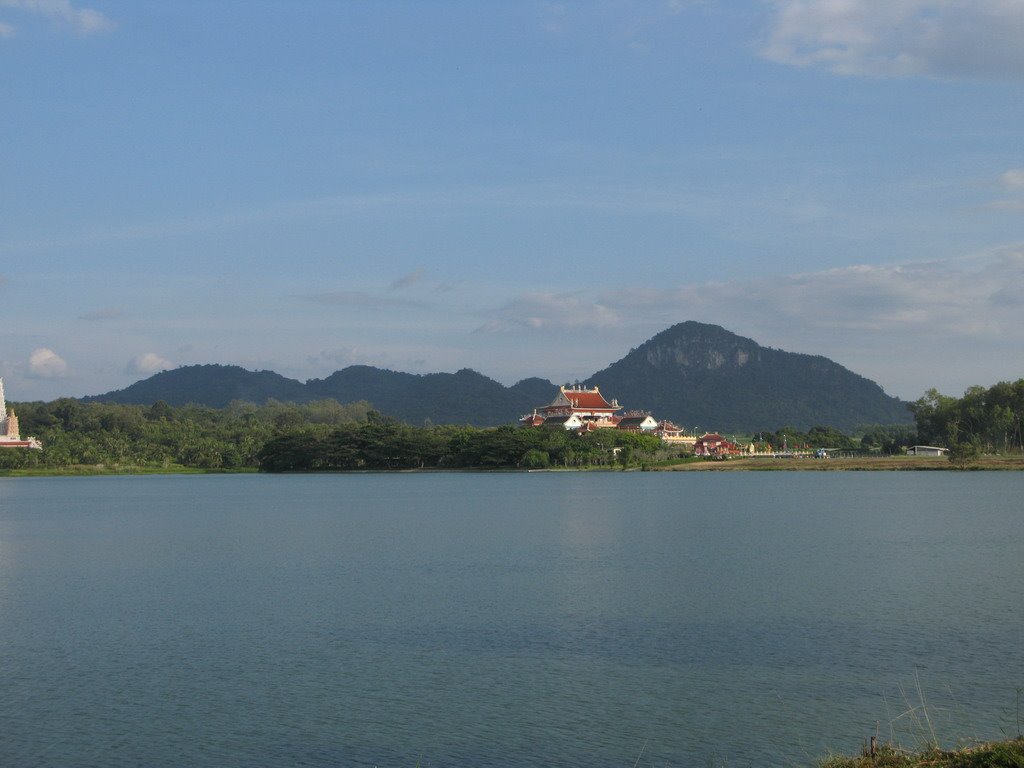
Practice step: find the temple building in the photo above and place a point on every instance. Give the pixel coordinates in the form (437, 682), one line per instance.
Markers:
(713, 444)
(580, 409)
(10, 435)
(575, 408)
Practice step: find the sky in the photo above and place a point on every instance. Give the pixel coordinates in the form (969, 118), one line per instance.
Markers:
(525, 188)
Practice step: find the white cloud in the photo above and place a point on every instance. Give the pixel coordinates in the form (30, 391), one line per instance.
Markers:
(900, 38)
(6, 30)
(147, 363)
(1013, 182)
(359, 300)
(44, 363)
(972, 298)
(537, 311)
(553, 17)
(407, 280)
(81, 21)
(108, 313)
(1013, 178)
(948, 324)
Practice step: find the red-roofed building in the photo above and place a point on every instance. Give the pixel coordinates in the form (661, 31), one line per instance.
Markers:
(673, 434)
(713, 444)
(587, 405)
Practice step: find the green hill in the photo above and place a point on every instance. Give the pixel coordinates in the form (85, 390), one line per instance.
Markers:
(211, 385)
(704, 376)
(697, 375)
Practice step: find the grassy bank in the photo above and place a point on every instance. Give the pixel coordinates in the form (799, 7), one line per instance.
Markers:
(95, 470)
(865, 463)
(861, 464)
(1000, 754)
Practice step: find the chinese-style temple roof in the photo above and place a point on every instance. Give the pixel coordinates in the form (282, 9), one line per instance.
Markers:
(590, 399)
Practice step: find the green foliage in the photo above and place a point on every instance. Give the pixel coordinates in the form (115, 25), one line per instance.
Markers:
(816, 437)
(160, 436)
(382, 444)
(888, 440)
(990, 419)
(285, 437)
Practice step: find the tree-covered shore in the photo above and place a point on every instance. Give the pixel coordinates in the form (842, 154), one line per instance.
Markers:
(91, 438)
(983, 429)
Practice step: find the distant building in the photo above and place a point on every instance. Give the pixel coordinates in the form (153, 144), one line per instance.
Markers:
(562, 421)
(636, 421)
(10, 435)
(575, 407)
(926, 450)
(580, 409)
(713, 444)
(673, 434)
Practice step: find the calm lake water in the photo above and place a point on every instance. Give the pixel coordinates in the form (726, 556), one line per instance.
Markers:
(477, 620)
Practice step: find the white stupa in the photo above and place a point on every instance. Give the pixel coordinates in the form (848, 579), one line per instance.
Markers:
(10, 435)
(4, 418)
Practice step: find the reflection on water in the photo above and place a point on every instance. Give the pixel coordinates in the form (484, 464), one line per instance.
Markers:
(503, 619)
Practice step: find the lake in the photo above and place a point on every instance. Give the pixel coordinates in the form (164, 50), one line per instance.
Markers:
(562, 619)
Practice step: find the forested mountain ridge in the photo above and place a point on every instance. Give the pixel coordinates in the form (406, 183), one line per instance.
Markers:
(698, 375)
(211, 385)
(464, 397)
(703, 375)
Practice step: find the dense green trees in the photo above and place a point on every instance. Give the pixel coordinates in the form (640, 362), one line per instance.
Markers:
(275, 437)
(160, 436)
(326, 435)
(991, 420)
(381, 443)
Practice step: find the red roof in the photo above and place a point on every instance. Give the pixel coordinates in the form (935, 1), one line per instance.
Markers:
(587, 399)
(534, 420)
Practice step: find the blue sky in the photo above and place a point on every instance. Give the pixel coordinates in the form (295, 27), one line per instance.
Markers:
(523, 188)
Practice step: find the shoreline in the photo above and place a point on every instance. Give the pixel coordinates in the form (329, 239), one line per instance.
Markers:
(1004, 753)
(857, 464)
(740, 464)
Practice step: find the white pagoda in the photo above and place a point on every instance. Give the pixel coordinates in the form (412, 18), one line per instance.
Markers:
(10, 435)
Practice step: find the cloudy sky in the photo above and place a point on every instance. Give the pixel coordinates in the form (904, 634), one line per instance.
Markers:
(523, 188)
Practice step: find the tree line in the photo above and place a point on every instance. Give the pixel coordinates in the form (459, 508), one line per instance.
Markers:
(164, 437)
(381, 443)
(985, 420)
(884, 439)
(327, 435)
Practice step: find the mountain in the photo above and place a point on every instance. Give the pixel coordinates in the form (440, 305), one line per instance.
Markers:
(694, 374)
(704, 376)
(464, 397)
(211, 385)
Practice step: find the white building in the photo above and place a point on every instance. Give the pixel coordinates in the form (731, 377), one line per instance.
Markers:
(926, 450)
(10, 436)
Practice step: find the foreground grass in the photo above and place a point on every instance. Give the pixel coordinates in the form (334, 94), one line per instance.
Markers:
(1000, 754)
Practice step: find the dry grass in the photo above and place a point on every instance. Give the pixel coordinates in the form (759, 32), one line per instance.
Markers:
(1000, 754)
(867, 463)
